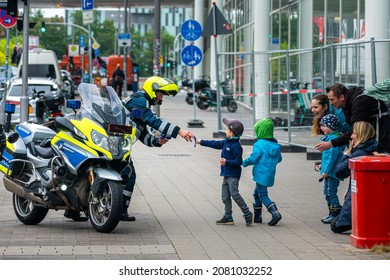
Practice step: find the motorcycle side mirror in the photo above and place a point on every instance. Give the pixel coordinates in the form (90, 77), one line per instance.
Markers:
(13, 137)
(40, 93)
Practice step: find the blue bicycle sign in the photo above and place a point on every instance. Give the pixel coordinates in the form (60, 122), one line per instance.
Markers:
(191, 30)
(191, 55)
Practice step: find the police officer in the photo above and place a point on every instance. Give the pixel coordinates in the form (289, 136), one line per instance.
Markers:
(138, 105)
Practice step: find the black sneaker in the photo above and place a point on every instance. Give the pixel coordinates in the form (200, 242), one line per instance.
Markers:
(248, 219)
(225, 221)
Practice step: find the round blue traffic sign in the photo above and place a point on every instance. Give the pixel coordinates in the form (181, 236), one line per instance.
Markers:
(191, 55)
(6, 20)
(191, 30)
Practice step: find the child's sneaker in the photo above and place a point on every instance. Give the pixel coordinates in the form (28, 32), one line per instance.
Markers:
(225, 221)
(248, 219)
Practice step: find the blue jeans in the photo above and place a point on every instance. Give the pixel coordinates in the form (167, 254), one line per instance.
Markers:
(330, 191)
(260, 195)
(229, 191)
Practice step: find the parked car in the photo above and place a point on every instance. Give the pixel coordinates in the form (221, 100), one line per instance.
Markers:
(35, 86)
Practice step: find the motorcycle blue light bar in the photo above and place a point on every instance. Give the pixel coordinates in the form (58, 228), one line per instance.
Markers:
(9, 108)
(73, 104)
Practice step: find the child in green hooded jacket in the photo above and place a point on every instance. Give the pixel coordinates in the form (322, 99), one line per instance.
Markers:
(266, 154)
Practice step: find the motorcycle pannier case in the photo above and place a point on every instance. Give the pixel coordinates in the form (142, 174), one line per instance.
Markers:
(16, 150)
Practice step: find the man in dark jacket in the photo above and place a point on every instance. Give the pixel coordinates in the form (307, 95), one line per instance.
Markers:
(358, 107)
(118, 78)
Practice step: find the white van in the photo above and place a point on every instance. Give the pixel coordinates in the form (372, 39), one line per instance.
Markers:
(42, 63)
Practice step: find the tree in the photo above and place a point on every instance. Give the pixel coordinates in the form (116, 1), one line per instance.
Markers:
(55, 37)
(104, 32)
(142, 49)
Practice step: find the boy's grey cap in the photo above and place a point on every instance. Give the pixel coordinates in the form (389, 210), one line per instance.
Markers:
(235, 126)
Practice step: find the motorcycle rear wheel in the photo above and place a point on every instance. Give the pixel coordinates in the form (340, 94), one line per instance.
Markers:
(203, 105)
(232, 107)
(105, 213)
(27, 212)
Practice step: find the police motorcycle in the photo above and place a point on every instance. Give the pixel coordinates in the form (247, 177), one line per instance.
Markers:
(207, 97)
(79, 166)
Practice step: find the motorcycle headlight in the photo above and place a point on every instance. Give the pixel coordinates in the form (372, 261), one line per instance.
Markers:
(99, 139)
(115, 145)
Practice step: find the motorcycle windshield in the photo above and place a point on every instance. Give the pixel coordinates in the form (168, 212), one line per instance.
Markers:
(102, 104)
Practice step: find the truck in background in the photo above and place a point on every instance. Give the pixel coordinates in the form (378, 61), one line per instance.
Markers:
(113, 60)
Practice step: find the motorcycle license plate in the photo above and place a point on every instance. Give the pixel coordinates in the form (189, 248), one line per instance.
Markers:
(120, 129)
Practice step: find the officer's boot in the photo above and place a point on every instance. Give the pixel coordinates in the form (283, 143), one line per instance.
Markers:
(257, 215)
(126, 203)
(276, 217)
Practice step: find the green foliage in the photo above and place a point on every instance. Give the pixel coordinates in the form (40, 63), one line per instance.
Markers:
(104, 32)
(3, 45)
(381, 249)
(142, 50)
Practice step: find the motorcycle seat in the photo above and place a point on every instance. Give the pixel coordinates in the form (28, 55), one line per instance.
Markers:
(44, 152)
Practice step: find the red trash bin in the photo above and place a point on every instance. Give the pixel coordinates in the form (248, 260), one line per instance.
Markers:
(370, 198)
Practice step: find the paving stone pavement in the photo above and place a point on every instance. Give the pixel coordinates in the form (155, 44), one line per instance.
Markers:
(177, 201)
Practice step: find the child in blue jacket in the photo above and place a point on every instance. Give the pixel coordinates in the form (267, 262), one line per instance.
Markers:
(266, 154)
(231, 159)
(329, 160)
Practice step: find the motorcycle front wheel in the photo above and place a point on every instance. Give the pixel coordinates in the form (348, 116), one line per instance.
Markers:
(106, 208)
(232, 107)
(189, 100)
(27, 212)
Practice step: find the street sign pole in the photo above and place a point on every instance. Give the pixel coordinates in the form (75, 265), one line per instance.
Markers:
(3, 101)
(157, 46)
(26, 31)
(82, 46)
(191, 56)
(90, 53)
(125, 52)
(87, 7)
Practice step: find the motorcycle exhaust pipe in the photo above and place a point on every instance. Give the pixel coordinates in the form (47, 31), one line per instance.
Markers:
(13, 187)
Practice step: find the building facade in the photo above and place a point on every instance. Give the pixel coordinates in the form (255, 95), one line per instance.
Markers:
(275, 41)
